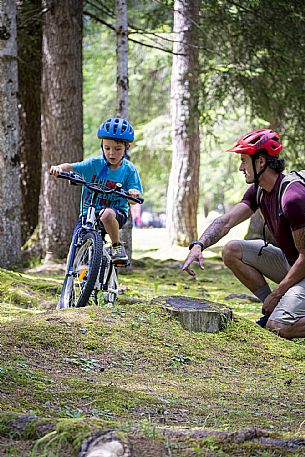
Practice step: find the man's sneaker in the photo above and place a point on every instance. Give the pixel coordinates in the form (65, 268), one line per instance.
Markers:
(262, 321)
(118, 254)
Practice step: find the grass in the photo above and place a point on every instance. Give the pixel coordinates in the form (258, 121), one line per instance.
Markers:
(133, 368)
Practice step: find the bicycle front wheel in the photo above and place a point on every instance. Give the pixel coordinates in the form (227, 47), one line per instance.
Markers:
(86, 266)
(78, 287)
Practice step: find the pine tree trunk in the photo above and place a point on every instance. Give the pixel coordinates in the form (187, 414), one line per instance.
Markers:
(61, 127)
(10, 192)
(29, 40)
(122, 92)
(183, 189)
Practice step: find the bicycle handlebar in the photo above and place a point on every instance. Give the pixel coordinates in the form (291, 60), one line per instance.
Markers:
(78, 180)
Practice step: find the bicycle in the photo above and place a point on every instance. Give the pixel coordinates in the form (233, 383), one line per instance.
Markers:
(90, 269)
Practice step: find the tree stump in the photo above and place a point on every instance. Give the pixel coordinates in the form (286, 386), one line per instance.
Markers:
(196, 314)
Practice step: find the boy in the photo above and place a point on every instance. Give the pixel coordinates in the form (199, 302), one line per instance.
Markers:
(107, 170)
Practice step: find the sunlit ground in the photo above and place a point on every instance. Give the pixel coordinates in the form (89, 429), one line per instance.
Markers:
(154, 242)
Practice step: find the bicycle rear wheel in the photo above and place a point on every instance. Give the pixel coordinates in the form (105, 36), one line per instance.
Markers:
(78, 288)
(109, 280)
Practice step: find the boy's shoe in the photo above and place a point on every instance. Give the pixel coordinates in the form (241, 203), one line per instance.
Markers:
(262, 321)
(118, 254)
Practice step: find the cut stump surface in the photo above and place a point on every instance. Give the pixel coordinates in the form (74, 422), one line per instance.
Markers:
(196, 314)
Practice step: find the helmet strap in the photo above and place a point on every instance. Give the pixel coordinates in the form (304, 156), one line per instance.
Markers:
(257, 175)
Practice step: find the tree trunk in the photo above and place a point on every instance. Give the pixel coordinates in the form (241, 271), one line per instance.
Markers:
(122, 57)
(61, 126)
(29, 40)
(183, 188)
(122, 92)
(10, 192)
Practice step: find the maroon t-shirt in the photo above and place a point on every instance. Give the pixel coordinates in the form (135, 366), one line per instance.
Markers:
(293, 217)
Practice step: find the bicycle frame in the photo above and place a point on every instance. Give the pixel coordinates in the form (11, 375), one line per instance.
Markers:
(109, 270)
(89, 265)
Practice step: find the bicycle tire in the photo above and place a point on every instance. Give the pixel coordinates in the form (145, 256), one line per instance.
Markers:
(112, 287)
(86, 266)
(78, 286)
(67, 296)
(108, 280)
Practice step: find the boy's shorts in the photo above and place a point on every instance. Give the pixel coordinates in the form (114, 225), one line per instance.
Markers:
(120, 217)
(273, 264)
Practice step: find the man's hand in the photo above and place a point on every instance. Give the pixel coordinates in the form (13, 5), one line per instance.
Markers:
(195, 255)
(270, 303)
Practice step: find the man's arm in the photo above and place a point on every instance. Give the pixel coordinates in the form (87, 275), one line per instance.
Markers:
(215, 231)
(294, 275)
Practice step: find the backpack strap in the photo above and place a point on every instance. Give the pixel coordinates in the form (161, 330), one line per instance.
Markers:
(290, 178)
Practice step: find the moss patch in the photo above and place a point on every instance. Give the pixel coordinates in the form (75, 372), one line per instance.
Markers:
(133, 367)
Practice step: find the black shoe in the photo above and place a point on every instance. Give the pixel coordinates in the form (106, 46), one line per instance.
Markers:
(118, 254)
(262, 321)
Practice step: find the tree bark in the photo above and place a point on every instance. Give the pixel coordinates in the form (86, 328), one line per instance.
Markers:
(61, 122)
(122, 92)
(183, 188)
(122, 57)
(10, 192)
(29, 41)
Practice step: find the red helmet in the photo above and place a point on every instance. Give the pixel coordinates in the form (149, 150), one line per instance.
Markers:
(252, 142)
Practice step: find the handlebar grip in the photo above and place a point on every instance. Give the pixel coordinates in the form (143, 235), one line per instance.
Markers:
(64, 174)
(134, 199)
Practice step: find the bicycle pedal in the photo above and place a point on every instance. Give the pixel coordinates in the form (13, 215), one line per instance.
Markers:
(122, 265)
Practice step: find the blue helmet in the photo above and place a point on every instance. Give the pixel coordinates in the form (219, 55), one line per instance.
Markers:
(116, 129)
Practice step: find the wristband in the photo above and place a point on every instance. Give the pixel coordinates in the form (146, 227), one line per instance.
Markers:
(196, 242)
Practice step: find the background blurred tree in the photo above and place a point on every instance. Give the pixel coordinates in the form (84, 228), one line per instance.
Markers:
(29, 45)
(62, 122)
(121, 29)
(183, 187)
(10, 192)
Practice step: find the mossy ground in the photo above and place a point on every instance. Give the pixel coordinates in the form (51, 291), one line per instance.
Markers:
(132, 367)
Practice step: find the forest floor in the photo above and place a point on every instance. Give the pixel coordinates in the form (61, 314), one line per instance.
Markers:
(132, 368)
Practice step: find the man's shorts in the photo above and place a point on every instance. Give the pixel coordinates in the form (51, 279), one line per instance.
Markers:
(273, 264)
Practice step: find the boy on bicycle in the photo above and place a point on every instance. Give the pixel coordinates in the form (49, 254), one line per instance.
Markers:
(107, 170)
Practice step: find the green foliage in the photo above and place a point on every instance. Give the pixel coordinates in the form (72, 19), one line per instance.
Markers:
(248, 80)
(152, 155)
(253, 57)
(149, 82)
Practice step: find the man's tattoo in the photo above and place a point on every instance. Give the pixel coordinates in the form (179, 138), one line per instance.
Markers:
(214, 232)
(299, 239)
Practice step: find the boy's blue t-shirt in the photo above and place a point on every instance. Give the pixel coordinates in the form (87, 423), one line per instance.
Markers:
(95, 170)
